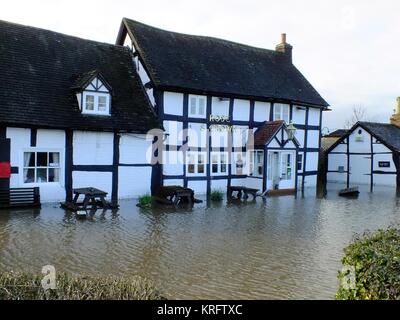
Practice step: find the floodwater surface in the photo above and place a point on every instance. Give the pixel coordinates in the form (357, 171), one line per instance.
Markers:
(282, 248)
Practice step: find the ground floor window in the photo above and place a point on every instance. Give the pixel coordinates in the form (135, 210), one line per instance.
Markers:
(256, 163)
(240, 163)
(269, 165)
(195, 163)
(300, 162)
(41, 167)
(286, 166)
(219, 162)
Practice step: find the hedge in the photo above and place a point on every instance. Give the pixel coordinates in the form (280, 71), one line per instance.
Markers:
(375, 258)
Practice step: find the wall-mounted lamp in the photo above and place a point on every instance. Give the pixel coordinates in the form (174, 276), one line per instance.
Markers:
(291, 130)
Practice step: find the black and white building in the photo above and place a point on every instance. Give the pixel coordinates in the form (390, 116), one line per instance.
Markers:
(73, 113)
(211, 95)
(77, 113)
(367, 154)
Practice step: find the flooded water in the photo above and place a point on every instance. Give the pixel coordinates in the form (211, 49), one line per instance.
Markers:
(283, 248)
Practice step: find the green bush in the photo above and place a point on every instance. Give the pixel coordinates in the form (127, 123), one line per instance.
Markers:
(24, 286)
(145, 200)
(376, 261)
(216, 195)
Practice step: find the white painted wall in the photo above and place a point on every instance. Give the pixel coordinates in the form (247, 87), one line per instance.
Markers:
(239, 182)
(93, 148)
(90, 148)
(310, 181)
(197, 133)
(47, 140)
(173, 103)
(172, 163)
(199, 187)
(219, 107)
(299, 115)
(220, 185)
(173, 182)
(255, 183)
(312, 161)
(175, 132)
(133, 149)
(313, 116)
(99, 180)
(360, 164)
(312, 138)
(134, 181)
(261, 111)
(241, 110)
(300, 136)
(219, 138)
(20, 139)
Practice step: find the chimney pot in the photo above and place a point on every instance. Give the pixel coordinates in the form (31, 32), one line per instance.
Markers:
(285, 48)
(395, 118)
(283, 38)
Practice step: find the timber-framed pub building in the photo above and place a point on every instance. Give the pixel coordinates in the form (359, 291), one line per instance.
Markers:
(77, 113)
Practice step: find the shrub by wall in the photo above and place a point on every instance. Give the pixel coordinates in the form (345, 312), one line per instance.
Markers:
(375, 258)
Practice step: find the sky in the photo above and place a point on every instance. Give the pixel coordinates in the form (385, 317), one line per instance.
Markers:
(348, 50)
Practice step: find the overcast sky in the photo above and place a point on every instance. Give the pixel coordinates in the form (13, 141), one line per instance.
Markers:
(348, 50)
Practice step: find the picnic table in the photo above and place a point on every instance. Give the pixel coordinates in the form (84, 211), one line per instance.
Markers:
(242, 192)
(92, 196)
(175, 194)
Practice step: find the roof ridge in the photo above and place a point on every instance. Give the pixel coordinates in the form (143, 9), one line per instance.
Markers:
(374, 122)
(203, 37)
(20, 25)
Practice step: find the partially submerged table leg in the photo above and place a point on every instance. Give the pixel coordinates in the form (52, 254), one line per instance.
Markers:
(86, 202)
(103, 202)
(75, 200)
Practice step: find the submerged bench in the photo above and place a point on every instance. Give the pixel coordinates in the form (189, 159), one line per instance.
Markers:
(175, 194)
(242, 192)
(19, 197)
(93, 197)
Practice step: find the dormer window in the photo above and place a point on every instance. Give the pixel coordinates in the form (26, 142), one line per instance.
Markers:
(94, 94)
(96, 103)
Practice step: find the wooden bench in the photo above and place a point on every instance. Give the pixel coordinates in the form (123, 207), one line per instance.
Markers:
(242, 192)
(19, 197)
(175, 194)
(92, 197)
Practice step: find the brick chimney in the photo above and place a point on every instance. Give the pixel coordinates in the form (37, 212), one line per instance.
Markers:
(284, 47)
(395, 119)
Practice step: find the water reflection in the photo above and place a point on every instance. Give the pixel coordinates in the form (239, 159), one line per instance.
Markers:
(283, 247)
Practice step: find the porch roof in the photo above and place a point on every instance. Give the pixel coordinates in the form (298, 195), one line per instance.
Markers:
(267, 131)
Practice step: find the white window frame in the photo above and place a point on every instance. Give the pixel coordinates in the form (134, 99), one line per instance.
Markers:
(220, 156)
(197, 113)
(279, 112)
(38, 150)
(196, 164)
(244, 160)
(285, 169)
(253, 164)
(96, 96)
(301, 161)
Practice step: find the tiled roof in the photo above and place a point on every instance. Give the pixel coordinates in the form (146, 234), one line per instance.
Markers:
(39, 68)
(197, 63)
(266, 132)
